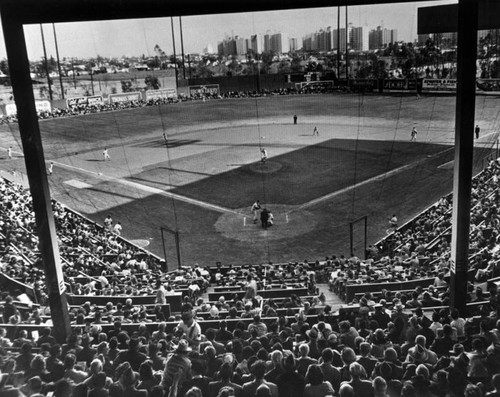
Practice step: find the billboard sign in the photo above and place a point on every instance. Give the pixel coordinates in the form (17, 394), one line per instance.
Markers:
(315, 84)
(210, 89)
(95, 100)
(41, 106)
(439, 84)
(76, 101)
(363, 84)
(165, 93)
(125, 97)
(395, 84)
(85, 101)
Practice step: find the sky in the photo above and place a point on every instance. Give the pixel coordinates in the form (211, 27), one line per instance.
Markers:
(137, 37)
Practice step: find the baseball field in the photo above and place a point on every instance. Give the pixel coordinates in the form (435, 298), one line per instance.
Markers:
(202, 180)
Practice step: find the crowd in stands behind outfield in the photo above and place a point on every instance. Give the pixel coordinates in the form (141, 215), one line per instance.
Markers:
(108, 107)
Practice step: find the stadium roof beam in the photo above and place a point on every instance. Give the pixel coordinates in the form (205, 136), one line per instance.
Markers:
(48, 11)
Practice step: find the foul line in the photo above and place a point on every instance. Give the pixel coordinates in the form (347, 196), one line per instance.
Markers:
(367, 181)
(152, 190)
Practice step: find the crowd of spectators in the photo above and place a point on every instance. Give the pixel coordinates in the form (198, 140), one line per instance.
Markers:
(78, 110)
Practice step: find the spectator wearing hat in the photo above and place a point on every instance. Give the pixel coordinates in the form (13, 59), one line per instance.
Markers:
(314, 351)
(225, 381)
(125, 385)
(316, 385)
(362, 387)
(87, 352)
(176, 362)
(390, 367)
(132, 355)
(190, 329)
(290, 383)
(380, 316)
(258, 370)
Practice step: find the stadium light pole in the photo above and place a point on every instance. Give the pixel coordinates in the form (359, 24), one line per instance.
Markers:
(175, 55)
(346, 47)
(46, 62)
(182, 50)
(58, 61)
(338, 42)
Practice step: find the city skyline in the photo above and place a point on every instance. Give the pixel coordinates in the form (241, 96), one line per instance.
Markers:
(113, 39)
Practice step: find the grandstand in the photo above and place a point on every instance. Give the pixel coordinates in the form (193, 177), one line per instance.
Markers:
(89, 308)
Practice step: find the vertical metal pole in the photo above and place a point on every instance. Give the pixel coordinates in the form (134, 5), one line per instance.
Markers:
(35, 168)
(175, 55)
(338, 42)
(366, 234)
(163, 245)
(351, 234)
(46, 63)
(74, 75)
(58, 61)
(178, 248)
(464, 146)
(346, 47)
(497, 151)
(182, 50)
(92, 81)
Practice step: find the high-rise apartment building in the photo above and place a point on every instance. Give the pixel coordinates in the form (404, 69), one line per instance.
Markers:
(358, 38)
(293, 44)
(241, 45)
(381, 37)
(255, 44)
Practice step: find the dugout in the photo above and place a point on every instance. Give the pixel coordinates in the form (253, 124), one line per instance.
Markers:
(466, 18)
